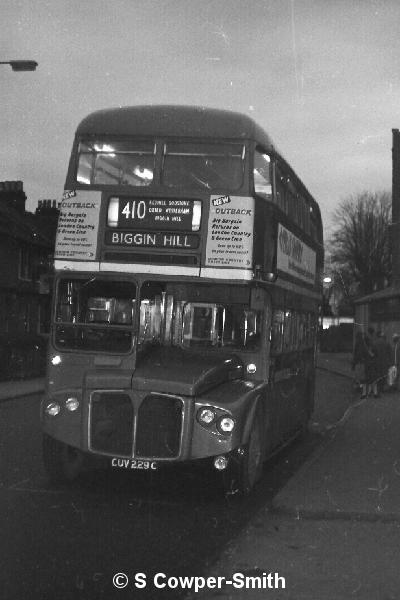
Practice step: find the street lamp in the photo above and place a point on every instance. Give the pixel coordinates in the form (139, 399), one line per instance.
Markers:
(21, 65)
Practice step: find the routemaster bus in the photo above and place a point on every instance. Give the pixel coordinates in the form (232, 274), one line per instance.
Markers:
(187, 282)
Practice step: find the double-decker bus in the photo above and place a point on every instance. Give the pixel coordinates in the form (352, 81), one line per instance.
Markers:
(188, 269)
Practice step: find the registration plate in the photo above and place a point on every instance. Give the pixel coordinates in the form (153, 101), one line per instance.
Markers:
(130, 463)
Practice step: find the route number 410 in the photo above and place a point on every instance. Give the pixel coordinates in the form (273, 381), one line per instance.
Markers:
(135, 210)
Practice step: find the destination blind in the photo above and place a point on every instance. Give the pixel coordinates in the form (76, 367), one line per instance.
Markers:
(146, 239)
(154, 214)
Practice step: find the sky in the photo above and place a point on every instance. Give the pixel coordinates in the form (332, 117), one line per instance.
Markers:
(321, 77)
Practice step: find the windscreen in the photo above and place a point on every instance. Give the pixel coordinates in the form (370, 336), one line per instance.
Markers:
(95, 315)
(191, 165)
(170, 315)
(129, 163)
(210, 166)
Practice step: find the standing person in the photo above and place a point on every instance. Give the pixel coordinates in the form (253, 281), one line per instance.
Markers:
(395, 360)
(360, 358)
(383, 360)
(361, 364)
(372, 372)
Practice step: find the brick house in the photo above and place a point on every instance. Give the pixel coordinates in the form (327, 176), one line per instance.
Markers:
(26, 248)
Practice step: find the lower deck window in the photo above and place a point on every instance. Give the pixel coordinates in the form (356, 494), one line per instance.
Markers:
(95, 315)
(169, 316)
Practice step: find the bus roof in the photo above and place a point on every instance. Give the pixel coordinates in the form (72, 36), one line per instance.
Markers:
(165, 120)
(173, 120)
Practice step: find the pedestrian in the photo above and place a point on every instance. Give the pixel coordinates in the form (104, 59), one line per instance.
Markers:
(383, 360)
(372, 372)
(360, 357)
(393, 372)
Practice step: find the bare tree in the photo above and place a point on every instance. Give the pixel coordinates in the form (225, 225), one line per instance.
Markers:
(360, 244)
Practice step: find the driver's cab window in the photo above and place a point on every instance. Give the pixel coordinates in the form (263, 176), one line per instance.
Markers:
(200, 324)
(110, 310)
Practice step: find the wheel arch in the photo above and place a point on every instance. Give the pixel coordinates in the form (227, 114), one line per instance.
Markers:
(256, 409)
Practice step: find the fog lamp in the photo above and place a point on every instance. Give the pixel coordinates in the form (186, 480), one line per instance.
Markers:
(52, 409)
(220, 463)
(206, 416)
(251, 368)
(56, 360)
(72, 404)
(226, 424)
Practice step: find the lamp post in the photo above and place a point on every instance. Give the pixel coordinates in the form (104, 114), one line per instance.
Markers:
(326, 310)
(21, 65)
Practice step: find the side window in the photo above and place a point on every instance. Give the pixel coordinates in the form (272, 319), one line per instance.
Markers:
(278, 318)
(291, 330)
(287, 331)
(302, 330)
(295, 338)
(288, 198)
(280, 189)
(306, 215)
(262, 174)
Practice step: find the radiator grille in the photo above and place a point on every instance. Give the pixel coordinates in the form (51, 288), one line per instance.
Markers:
(111, 424)
(159, 427)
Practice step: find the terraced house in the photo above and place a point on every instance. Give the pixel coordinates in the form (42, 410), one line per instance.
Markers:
(26, 248)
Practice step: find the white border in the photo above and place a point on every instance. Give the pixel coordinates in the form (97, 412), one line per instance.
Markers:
(76, 265)
(218, 273)
(143, 268)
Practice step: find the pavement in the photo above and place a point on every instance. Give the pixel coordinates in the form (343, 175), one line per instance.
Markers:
(336, 362)
(17, 388)
(333, 531)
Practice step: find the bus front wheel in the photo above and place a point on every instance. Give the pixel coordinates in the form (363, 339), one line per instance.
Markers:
(62, 463)
(245, 469)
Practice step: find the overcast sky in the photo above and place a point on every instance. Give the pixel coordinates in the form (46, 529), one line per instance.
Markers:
(322, 77)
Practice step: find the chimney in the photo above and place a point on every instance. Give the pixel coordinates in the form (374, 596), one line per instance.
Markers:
(395, 226)
(13, 193)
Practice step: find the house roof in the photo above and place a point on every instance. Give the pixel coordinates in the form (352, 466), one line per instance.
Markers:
(21, 226)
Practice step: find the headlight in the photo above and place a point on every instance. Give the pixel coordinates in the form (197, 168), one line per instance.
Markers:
(205, 416)
(72, 404)
(225, 424)
(52, 409)
(220, 463)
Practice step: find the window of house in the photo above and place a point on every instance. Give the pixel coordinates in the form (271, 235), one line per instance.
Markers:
(23, 314)
(25, 263)
(43, 316)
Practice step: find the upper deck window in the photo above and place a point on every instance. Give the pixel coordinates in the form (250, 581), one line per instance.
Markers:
(108, 162)
(262, 174)
(197, 165)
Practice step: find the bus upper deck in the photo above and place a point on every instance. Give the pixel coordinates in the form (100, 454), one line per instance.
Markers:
(195, 190)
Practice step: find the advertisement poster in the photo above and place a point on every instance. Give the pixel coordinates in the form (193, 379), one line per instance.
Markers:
(230, 232)
(78, 225)
(294, 257)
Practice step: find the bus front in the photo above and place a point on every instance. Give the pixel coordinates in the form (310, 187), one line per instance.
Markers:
(159, 338)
